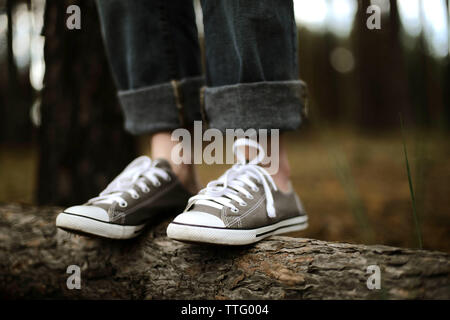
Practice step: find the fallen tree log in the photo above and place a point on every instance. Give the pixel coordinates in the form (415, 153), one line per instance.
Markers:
(34, 257)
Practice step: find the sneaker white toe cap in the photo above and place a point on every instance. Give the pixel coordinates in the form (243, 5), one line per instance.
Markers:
(200, 219)
(90, 212)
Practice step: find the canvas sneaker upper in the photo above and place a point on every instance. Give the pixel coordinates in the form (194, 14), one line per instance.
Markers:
(244, 198)
(144, 189)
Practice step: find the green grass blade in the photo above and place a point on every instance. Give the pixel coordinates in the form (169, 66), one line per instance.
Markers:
(411, 189)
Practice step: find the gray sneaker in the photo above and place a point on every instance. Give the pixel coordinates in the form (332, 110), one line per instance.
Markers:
(144, 191)
(241, 207)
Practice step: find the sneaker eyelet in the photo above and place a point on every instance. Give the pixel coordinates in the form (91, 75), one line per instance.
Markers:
(146, 190)
(135, 196)
(123, 204)
(157, 184)
(243, 204)
(235, 210)
(250, 197)
(255, 189)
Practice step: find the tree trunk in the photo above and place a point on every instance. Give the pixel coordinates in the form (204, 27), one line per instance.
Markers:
(82, 141)
(380, 68)
(15, 105)
(34, 257)
(12, 68)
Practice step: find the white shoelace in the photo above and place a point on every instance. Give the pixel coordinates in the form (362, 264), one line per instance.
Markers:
(231, 185)
(132, 175)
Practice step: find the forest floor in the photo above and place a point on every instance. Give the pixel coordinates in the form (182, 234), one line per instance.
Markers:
(353, 185)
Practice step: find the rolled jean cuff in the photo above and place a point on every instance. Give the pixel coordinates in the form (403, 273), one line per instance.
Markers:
(259, 105)
(161, 107)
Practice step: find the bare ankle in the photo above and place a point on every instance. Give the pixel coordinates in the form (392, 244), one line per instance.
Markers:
(282, 177)
(278, 165)
(161, 146)
(187, 175)
(282, 180)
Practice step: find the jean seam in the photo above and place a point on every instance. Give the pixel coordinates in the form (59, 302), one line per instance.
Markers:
(169, 42)
(171, 58)
(179, 102)
(202, 107)
(294, 43)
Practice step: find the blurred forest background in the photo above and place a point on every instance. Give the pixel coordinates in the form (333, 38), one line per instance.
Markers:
(62, 139)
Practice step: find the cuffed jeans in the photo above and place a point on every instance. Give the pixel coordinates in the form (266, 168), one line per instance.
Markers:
(251, 78)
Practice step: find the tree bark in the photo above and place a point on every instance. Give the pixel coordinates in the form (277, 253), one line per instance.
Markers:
(82, 142)
(16, 96)
(380, 69)
(34, 257)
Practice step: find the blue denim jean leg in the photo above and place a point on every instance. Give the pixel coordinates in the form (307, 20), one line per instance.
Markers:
(251, 64)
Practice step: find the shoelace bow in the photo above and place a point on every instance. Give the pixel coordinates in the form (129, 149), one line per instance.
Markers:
(132, 175)
(232, 183)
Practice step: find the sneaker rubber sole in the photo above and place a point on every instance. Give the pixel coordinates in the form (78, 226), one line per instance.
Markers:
(215, 235)
(85, 225)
